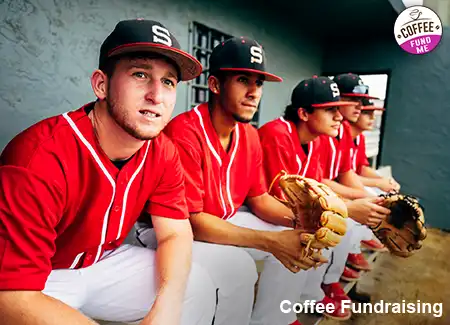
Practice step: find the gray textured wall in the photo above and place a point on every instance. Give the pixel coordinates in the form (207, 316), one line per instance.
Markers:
(50, 48)
(416, 139)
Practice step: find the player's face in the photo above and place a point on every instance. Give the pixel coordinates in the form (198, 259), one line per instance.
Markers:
(241, 95)
(366, 120)
(351, 112)
(325, 121)
(142, 95)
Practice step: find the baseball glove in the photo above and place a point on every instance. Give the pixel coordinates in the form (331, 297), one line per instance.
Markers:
(403, 231)
(317, 210)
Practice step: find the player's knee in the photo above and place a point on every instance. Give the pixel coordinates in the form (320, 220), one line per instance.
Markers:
(246, 268)
(201, 290)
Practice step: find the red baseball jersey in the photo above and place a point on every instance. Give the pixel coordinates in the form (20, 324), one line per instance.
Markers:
(358, 153)
(217, 181)
(63, 202)
(282, 150)
(335, 152)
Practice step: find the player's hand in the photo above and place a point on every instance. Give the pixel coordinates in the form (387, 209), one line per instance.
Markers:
(367, 211)
(388, 185)
(395, 185)
(287, 247)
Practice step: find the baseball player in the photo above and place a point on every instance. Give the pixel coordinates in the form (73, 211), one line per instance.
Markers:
(292, 143)
(222, 158)
(73, 185)
(336, 164)
(360, 163)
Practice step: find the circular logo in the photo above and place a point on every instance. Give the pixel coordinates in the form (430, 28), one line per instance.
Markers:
(418, 30)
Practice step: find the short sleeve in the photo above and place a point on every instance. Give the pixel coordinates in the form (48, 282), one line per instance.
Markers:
(258, 186)
(168, 200)
(191, 160)
(30, 208)
(276, 159)
(346, 159)
(361, 159)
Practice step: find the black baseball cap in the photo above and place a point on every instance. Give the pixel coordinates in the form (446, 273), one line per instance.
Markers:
(139, 35)
(240, 54)
(351, 85)
(369, 105)
(317, 92)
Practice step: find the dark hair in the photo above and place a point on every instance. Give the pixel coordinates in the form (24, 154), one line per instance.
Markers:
(108, 66)
(291, 113)
(221, 76)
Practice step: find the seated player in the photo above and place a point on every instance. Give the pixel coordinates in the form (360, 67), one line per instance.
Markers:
(73, 185)
(360, 164)
(222, 158)
(338, 174)
(292, 143)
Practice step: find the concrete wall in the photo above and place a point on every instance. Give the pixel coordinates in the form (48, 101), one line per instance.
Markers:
(50, 48)
(416, 140)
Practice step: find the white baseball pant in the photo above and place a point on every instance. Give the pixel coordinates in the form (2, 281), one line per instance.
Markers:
(362, 232)
(233, 272)
(276, 282)
(121, 287)
(331, 271)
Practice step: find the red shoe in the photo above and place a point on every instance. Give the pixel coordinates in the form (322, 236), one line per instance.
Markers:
(350, 275)
(373, 244)
(296, 323)
(337, 313)
(334, 291)
(357, 261)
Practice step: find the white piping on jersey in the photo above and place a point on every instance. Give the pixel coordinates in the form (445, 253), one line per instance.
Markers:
(215, 154)
(355, 153)
(299, 162)
(338, 164)
(108, 176)
(113, 184)
(287, 123)
(333, 157)
(125, 196)
(311, 147)
(233, 154)
(352, 158)
(341, 131)
(297, 158)
(75, 262)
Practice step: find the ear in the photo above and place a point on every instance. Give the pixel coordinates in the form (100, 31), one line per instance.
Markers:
(214, 84)
(99, 83)
(302, 114)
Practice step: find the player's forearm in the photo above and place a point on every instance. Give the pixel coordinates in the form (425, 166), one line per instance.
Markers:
(35, 308)
(267, 208)
(351, 179)
(345, 191)
(370, 182)
(173, 259)
(211, 229)
(368, 172)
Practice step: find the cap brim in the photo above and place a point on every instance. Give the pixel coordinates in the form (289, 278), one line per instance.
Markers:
(359, 96)
(268, 76)
(190, 67)
(332, 104)
(372, 108)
